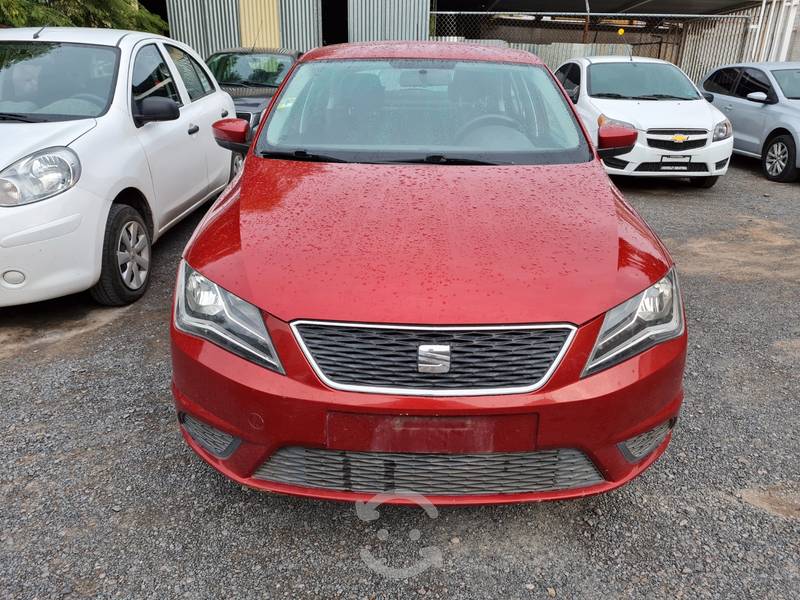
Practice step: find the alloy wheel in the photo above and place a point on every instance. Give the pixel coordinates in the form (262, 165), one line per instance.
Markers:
(777, 158)
(133, 255)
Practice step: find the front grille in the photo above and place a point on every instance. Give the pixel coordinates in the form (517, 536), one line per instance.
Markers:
(431, 474)
(640, 446)
(670, 145)
(673, 167)
(385, 358)
(217, 442)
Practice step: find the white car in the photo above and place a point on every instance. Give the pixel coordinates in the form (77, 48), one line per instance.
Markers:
(105, 143)
(680, 133)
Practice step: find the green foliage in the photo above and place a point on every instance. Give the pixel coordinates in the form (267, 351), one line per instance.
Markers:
(118, 14)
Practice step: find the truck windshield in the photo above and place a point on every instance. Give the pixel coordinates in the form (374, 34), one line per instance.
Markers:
(45, 81)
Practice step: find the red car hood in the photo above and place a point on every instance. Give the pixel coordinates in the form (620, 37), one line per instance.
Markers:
(423, 244)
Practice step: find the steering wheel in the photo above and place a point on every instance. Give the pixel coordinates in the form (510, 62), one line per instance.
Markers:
(483, 121)
(90, 98)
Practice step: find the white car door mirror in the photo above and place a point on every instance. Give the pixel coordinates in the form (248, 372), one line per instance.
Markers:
(758, 97)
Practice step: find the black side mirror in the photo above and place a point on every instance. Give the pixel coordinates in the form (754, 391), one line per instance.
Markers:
(574, 94)
(156, 108)
(708, 96)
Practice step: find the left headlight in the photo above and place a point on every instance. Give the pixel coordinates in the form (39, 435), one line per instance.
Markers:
(39, 176)
(647, 319)
(205, 310)
(722, 131)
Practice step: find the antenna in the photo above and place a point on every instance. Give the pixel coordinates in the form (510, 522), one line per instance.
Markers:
(621, 33)
(38, 33)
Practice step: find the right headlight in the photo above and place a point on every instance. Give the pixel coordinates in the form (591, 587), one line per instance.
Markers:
(722, 131)
(39, 176)
(205, 310)
(604, 120)
(647, 319)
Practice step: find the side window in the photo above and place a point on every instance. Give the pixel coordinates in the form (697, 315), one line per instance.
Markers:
(722, 81)
(753, 80)
(562, 72)
(151, 76)
(573, 78)
(193, 76)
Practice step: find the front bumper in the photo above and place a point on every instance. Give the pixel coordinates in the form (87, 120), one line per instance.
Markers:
(268, 414)
(711, 160)
(54, 244)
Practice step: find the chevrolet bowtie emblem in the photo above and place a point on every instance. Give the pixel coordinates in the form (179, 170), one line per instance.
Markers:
(679, 138)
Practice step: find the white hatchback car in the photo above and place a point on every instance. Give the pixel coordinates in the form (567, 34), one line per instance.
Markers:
(680, 133)
(105, 143)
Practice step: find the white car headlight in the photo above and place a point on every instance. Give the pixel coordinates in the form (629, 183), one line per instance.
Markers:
(604, 120)
(722, 131)
(205, 310)
(647, 319)
(39, 176)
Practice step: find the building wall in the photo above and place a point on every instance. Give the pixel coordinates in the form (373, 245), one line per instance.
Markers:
(301, 24)
(370, 20)
(206, 26)
(260, 23)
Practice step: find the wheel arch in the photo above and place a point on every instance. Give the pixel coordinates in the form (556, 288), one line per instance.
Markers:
(776, 131)
(134, 198)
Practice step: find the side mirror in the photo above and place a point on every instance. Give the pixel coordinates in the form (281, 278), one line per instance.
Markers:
(613, 140)
(759, 97)
(708, 96)
(574, 94)
(155, 108)
(232, 134)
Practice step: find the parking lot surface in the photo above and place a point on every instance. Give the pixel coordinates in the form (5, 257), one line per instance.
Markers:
(101, 497)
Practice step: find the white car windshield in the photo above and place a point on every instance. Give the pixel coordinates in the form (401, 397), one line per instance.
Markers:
(45, 81)
(633, 80)
(444, 112)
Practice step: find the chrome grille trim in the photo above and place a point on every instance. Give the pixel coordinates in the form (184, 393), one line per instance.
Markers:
(213, 440)
(410, 391)
(431, 474)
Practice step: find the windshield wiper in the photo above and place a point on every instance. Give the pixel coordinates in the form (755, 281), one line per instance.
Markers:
(610, 95)
(439, 159)
(20, 118)
(661, 97)
(301, 155)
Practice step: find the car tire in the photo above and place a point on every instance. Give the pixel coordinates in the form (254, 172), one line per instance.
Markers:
(779, 159)
(704, 182)
(125, 271)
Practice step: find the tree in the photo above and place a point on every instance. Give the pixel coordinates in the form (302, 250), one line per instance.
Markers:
(119, 14)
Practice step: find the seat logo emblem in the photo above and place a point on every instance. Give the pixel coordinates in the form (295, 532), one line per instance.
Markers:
(679, 138)
(433, 358)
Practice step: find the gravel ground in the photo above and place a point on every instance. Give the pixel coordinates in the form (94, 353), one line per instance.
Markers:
(101, 498)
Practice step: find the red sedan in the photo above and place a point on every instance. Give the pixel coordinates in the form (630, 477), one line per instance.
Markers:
(424, 281)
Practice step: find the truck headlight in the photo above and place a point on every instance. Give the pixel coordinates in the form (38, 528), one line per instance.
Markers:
(647, 319)
(205, 310)
(39, 176)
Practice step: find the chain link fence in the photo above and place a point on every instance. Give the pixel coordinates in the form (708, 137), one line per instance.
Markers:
(696, 43)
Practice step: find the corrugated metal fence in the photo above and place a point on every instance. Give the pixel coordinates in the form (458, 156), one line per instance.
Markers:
(260, 23)
(207, 26)
(372, 20)
(301, 24)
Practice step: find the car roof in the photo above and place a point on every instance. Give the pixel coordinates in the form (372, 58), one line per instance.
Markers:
(619, 58)
(421, 50)
(257, 50)
(80, 35)
(763, 65)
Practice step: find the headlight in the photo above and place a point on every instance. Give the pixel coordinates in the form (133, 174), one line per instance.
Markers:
(39, 176)
(204, 309)
(722, 131)
(604, 120)
(654, 316)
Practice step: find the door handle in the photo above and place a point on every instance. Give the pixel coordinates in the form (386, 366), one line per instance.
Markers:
(224, 113)
(729, 107)
(193, 129)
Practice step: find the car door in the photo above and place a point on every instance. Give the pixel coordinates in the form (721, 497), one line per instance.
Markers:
(175, 155)
(751, 116)
(721, 84)
(207, 104)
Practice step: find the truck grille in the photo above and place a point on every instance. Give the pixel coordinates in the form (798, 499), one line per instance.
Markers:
(431, 474)
(385, 359)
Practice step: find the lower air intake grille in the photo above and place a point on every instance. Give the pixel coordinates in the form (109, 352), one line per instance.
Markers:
(674, 167)
(640, 446)
(217, 442)
(431, 474)
(385, 358)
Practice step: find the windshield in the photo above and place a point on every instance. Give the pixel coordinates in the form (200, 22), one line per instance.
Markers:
(423, 111)
(639, 81)
(44, 81)
(789, 80)
(250, 69)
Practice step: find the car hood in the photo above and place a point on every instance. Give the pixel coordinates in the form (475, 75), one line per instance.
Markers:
(662, 114)
(250, 99)
(427, 244)
(22, 139)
